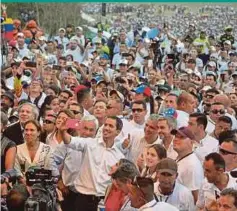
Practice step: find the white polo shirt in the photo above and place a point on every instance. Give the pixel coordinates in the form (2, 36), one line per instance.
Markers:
(210, 125)
(181, 197)
(156, 206)
(209, 192)
(190, 172)
(97, 161)
(206, 146)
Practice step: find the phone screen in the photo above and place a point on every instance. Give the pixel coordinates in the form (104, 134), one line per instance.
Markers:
(73, 124)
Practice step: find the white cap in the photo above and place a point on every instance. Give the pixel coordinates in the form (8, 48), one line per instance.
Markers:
(80, 28)
(212, 64)
(123, 61)
(42, 38)
(120, 95)
(62, 29)
(227, 42)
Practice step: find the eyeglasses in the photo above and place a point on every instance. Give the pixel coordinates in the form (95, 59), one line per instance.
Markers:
(45, 121)
(226, 152)
(75, 112)
(218, 111)
(138, 110)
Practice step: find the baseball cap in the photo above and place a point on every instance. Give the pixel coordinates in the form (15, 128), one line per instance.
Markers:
(98, 40)
(123, 61)
(42, 38)
(234, 74)
(101, 82)
(120, 95)
(80, 28)
(170, 112)
(104, 56)
(167, 165)
(62, 29)
(184, 131)
(227, 42)
(233, 53)
(210, 73)
(79, 88)
(9, 95)
(143, 90)
(205, 88)
(164, 87)
(212, 64)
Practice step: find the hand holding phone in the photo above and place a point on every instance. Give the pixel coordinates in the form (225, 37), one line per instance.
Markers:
(73, 124)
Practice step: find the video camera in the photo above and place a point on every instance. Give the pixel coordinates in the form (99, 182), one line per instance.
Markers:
(43, 190)
(9, 175)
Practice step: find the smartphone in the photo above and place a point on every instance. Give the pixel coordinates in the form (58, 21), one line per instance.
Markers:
(73, 124)
(30, 64)
(56, 67)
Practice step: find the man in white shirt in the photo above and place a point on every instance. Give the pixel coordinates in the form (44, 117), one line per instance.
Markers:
(79, 36)
(190, 171)
(165, 126)
(185, 106)
(204, 143)
(216, 111)
(223, 123)
(142, 196)
(167, 189)
(76, 50)
(21, 46)
(71, 161)
(216, 180)
(138, 144)
(99, 155)
(61, 39)
(228, 150)
(139, 112)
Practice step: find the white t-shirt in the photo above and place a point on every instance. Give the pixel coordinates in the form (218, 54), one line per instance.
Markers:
(156, 206)
(181, 197)
(182, 119)
(206, 146)
(190, 172)
(209, 192)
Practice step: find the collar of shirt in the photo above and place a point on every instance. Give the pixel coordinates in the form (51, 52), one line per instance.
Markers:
(137, 125)
(101, 142)
(157, 141)
(148, 205)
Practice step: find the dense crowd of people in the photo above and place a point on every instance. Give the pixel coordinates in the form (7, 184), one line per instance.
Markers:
(141, 120)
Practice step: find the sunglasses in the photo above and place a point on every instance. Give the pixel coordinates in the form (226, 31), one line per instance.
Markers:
(138, 110)
(45, 121)
(226, 152)
(218, 111)
(75, 112)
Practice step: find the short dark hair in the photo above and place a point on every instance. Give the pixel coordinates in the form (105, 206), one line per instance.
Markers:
(82, 94)
(63, 58)
(218, 160)
(213, 90)
(66, 91)
(208, 75)
(227, 135)
(201, 119)
(225, 119)
(139, 102)
(119, 123)
(230, 192)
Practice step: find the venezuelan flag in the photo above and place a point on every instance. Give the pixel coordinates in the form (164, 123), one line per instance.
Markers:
(8, 29)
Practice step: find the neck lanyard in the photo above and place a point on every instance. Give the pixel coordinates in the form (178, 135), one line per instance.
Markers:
(167, 197)
(184, 157)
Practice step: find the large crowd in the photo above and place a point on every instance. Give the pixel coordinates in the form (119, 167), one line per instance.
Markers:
(145, 119)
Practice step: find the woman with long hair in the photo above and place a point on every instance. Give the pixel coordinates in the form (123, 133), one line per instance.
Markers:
(32, 152)
(155, 154)
(56, 138)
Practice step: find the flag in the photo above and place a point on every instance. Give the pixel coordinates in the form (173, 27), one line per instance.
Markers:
(8, 29)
